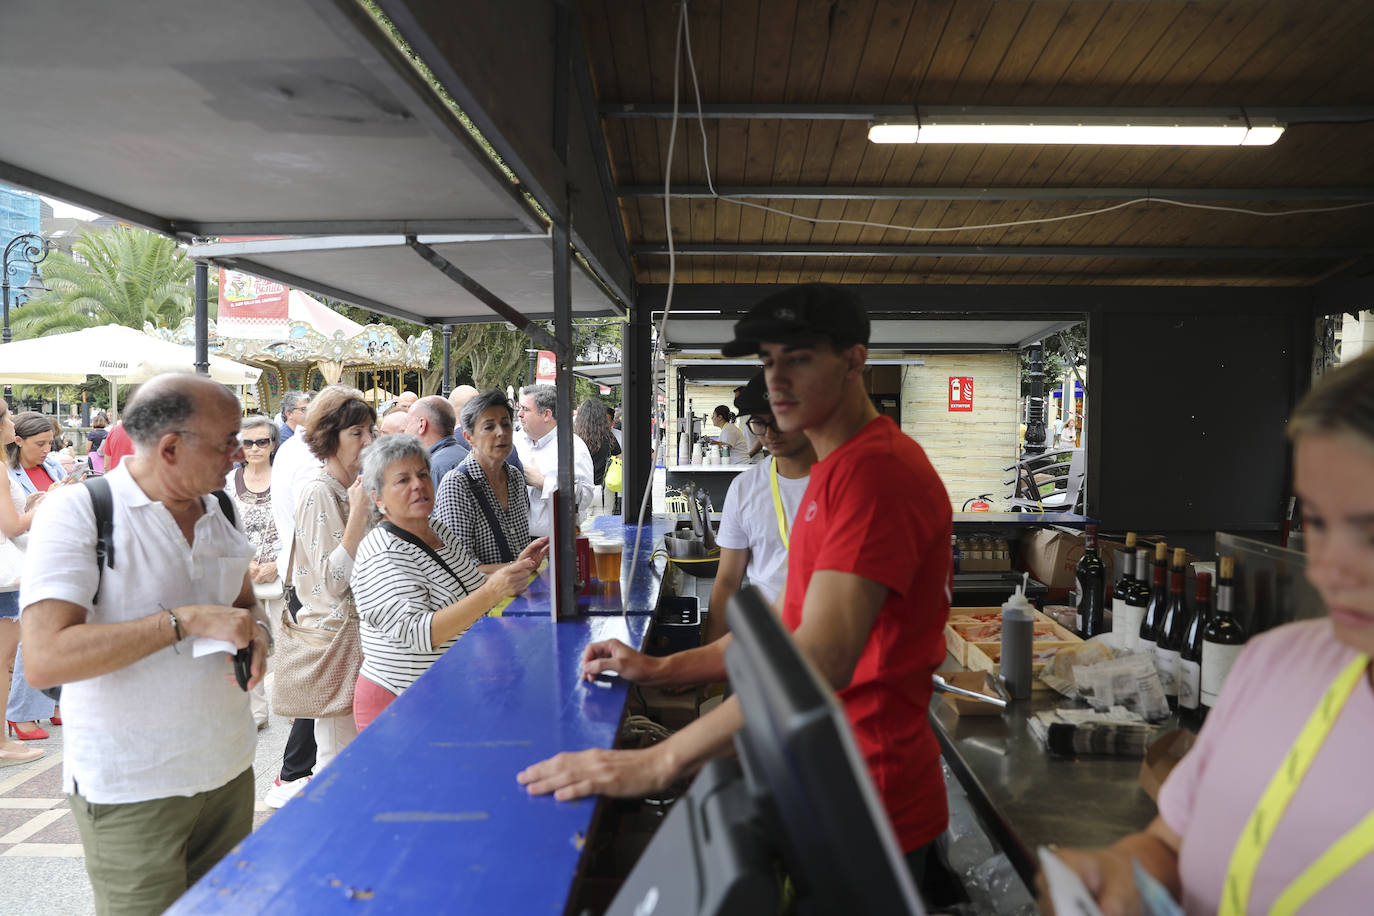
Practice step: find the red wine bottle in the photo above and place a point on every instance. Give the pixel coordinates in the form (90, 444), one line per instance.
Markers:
(1223, 638)
(1159, 601)
(1123, 623)
(1190, 655)
(1138, 599)
(1092, 586)
(1168, 651)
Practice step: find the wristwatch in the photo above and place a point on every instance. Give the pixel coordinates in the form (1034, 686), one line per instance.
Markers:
(271, 643)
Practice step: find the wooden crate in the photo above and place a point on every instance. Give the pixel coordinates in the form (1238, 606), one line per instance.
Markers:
(961, 619)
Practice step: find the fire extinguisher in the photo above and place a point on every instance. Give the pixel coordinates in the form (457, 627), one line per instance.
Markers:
(978, 503)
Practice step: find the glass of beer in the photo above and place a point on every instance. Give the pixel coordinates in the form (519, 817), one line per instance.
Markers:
(606, 552)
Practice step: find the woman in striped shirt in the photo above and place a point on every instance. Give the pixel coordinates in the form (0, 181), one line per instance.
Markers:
(417, 589)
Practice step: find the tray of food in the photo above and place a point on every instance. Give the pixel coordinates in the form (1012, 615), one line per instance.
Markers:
(968, 625)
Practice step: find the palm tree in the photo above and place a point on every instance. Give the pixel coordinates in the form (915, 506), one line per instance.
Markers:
(120, 276)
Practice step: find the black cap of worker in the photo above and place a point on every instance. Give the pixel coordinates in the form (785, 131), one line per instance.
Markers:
(804, 314)
(753, 397)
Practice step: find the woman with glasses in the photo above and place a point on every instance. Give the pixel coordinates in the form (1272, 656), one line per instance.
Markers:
(250, 484)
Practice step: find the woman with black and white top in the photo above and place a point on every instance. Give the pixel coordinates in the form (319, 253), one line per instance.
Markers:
(416, 588)
(484, 488)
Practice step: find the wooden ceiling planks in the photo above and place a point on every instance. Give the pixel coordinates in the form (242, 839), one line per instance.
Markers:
(982, 52)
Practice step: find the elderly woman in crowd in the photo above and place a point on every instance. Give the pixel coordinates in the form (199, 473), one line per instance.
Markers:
(250, 485)
(332, 516)
(1269, 813)
(483, 502)
(416, 587)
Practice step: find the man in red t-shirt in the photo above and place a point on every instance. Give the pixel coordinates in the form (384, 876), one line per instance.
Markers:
(116, 447)
(869, 577)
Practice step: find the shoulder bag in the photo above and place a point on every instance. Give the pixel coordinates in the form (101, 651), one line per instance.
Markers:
(497, 532)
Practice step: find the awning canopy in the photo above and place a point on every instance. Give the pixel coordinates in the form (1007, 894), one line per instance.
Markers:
(276, 118)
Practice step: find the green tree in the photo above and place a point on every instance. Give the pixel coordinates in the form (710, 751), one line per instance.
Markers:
(121, 276)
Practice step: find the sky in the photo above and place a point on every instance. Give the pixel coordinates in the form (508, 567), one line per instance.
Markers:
(62, 210)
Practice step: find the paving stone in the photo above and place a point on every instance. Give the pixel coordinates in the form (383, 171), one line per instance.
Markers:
(62, 830)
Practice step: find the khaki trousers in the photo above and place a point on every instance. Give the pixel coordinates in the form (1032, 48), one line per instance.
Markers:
(142, 856)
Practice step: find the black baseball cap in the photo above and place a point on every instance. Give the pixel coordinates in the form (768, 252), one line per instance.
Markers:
(753, 397)
(803, 314)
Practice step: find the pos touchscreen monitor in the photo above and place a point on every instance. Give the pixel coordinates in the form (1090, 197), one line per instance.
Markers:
(799, 801)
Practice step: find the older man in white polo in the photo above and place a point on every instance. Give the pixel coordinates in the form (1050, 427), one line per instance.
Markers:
(158, 744)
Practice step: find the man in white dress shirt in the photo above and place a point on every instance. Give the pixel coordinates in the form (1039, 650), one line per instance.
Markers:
(537, 445)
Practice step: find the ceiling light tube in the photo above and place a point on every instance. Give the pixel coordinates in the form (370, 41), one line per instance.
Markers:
(1105, 127)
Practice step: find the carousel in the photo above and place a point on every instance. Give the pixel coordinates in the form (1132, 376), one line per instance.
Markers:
(302, 344)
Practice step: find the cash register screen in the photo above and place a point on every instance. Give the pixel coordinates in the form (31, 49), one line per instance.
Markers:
(804, 768)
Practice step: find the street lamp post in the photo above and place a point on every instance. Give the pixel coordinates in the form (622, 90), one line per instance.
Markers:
(29, 248)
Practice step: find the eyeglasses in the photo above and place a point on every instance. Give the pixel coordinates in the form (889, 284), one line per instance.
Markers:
(257, 443)
(761, 423)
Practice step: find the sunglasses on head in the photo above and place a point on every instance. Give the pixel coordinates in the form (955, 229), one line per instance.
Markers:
(260, 443)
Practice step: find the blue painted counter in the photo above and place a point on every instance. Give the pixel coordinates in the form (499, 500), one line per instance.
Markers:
(421, 812)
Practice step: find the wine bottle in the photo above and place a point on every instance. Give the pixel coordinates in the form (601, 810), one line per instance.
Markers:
(1137, 599)
(1223, 638)
(1190, 655)
(1158, 603)
(1123, 624)
(1092, 586)
(1170, 645)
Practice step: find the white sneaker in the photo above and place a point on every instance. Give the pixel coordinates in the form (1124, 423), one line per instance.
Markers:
(283, 792)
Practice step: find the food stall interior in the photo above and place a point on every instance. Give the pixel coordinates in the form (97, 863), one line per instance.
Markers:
(552, 161)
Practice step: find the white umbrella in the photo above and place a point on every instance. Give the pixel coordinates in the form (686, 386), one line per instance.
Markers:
(122, 355)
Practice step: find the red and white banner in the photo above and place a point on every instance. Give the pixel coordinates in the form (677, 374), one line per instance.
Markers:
(243, 297)
(961, 393)
(546, 368)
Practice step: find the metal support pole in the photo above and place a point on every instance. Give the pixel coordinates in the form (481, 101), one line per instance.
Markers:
(202, 318)
(1035, 413)
(446, 383)
(637, 376)
(565, 550)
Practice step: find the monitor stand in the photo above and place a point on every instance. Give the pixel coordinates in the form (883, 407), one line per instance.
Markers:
(709, 856)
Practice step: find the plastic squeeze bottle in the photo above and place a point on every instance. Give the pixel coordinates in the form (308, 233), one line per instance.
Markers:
(1018, 630)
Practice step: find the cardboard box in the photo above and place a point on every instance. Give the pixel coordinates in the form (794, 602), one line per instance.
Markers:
(1161, 758)
(1051, 556)
(970, 680)
(986, 656)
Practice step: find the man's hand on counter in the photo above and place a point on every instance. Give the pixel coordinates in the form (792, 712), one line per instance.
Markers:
(614, 655)
(618, 774)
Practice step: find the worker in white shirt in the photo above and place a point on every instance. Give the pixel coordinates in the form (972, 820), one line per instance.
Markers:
(537, 445)
(759, 509)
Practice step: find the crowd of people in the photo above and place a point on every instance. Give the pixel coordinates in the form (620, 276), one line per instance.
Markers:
(355, 551)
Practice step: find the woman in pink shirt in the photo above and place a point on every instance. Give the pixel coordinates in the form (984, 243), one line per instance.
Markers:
(1255, 819)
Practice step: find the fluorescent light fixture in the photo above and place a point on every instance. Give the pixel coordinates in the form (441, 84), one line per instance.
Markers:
(1100, 126)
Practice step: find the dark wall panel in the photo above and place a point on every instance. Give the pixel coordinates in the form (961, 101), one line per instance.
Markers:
(1190, 412)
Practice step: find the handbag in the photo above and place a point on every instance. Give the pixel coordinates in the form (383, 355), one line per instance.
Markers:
(615, 475)
(316, 668)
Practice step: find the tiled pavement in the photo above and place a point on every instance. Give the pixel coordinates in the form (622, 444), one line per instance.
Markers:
(42, 872)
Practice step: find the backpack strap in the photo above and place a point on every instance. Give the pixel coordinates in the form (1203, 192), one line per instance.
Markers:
(226, 505)
(103, 505)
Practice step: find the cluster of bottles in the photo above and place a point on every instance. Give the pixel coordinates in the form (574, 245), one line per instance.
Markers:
(1193, 648)
(980, 547)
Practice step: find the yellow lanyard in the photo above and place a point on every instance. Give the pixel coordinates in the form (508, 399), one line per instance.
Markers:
(777, 501)
(1341, 855)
